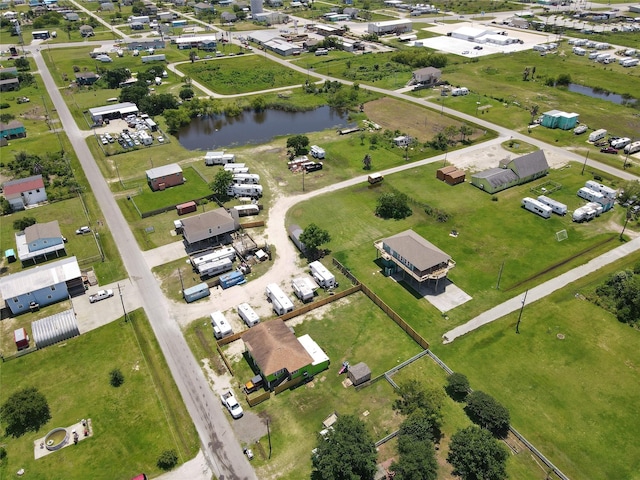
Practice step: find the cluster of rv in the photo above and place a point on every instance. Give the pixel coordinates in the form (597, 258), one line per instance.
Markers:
(626, 61)
(615, 142)
(303, 287)
(544, 206)
(214, 263)
(244, 184)
(303, 163)
(600, 197)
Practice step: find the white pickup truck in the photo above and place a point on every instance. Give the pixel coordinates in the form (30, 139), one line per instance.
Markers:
(229, 401)
(101, 295)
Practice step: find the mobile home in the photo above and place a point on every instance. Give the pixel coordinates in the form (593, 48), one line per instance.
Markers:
(236, 167)
(323, 276)
(220, 254)
(247, 210)
(317, 152)
(248, 314)
(231, 279)
(536, 207)
(279, 301)
(219, 158)
(583, 214)
(304, 288)
(607, 192)
(221, 327)
(597, 135)
(214, 267)
(196, 292)
(245, 190)
(556, 207)
(590, 195)
(246, 178)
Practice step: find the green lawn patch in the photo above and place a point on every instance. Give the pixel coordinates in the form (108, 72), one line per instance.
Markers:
(194, 187)
(241, 74)
(132, 424)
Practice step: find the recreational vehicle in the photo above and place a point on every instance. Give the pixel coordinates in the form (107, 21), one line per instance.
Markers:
(607, 192)
(323, 276)
(457, 92)
(248, 314)
(245, 190)
(221, 327)
(579, 51)
(220, 254)
(536, 207)
(219, 158)
(304, 288)
(620, 142)
(580, 129)
(246, 178)
(247, 210)
(214, 267)
(583, 214)
(317, 152)
(630, 62)
(279, 301)
(596, 207)
(375, 178)
(597, 135)
(632, 148)
(590, 195)
(556, 207)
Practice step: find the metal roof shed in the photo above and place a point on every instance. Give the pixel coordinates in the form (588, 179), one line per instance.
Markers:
(359, 373)
(56, 328)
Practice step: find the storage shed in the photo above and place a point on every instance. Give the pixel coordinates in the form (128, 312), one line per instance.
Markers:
(455, 177)
(294, 233)
(187, 207)
(163, 177)
(441, 172)
(359, 373)
(54, 329)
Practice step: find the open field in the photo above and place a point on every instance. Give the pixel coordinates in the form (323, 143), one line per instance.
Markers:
(568, 395)
(132, 425)
(245, 74)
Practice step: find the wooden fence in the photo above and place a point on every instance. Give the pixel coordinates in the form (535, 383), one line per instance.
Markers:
(256, 399)
(224, 359)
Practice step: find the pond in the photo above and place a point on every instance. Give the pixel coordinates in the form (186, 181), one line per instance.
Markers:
(207, 133)
(601, 94)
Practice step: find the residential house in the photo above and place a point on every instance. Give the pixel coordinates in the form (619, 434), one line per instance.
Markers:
(559, 119)
(40, 241)
(214, 226)
(9, 84)
(13, 129)
(417, 258)
(273, 349)
(13, 71)
(107, 7)
(25, 191)
(428, 76)
(86, 31)
(86, 78)
(166, 176)
(228, 17)
(41, 286)
(203, 8)
(71, 17)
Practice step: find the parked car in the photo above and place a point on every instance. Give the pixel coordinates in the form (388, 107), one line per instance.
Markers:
(608, 150)
(229, 401)
(83, 230)
(23, 100)
(101, 295)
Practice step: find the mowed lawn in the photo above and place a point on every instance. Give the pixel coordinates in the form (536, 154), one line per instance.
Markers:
(244, 74)
(132, 424)
(569, 379)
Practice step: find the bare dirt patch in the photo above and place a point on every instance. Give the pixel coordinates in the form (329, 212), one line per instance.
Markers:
(410, 119)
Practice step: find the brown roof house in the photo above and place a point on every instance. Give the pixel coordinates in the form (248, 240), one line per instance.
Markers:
(275, 352)
(417, 258)
(212, 227)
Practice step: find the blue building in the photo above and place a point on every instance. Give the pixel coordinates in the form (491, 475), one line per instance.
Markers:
(41, 286)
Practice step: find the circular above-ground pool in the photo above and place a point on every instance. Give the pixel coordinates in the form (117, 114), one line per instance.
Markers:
(56, 439)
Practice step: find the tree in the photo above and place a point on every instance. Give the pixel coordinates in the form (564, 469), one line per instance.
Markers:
(22, 64)
(465, 131)
(192, 55)
(167, 460)
(259, 103)
(393, 205)
(346, 453)
(534, 112)
(417, 461)
(24, 222)
(476, 455)
(366, 162)
(457, 386)
(298, 144)
(176, 118)
(186, 93)
(425, 402)
(451, 131)
(312, 237)
(25, 411)
(134, 93)
(116, 378)
(156, 104)
(221, 182)
(5, 206)
(485, 411)
(115, 77)
(564, 79)
(439, 142)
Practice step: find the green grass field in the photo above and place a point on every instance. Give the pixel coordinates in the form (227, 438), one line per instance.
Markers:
(132, 424)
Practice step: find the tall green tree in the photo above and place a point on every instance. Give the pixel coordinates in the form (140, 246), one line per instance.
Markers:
(25, 411)
(298, 144)
(457, 386)
(346, 453)
(415, 398)
(312, 237)
(393, 205)
(476, 455)
(486, 411)
(221, 182)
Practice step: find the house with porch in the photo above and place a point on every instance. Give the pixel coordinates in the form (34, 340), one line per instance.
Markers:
(25, 191)
(40, 242)
(428, 76)
(278, 356)
(214, 226)
(13, 129)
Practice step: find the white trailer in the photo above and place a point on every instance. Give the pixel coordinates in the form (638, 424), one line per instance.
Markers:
(244, 190)
(246, 178)
(597, 135)
(457, 92)
(221, 327)
(220, 254)
(248, 314)
(304, 288)
(145, 138)
(579, 51)
(536, 207)
(317, 152)
(583, 214)
(602, 58)
(279, 301)
(556, 207)
(219, 158)
(214, 267)
(247, 210)
(607, 192)
(591, 195)
(596, 207)
(630, 62)
(632, 148)
(324, 277)
(621, 142)
(602, 46)
(236, 168)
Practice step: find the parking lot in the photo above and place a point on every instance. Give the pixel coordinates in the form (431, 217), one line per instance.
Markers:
(130, 132)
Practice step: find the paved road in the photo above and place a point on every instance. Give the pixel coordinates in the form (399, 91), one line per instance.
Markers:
(542, 290)
(219, 444)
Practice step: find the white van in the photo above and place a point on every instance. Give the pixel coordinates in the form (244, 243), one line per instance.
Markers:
(248, 314)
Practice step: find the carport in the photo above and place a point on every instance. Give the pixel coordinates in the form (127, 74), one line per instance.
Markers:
(54, 329)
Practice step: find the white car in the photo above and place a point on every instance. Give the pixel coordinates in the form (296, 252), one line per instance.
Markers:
(101, 295)
(161, 139)
(83, 230)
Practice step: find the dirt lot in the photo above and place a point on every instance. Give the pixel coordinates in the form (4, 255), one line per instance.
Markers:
(410, 119)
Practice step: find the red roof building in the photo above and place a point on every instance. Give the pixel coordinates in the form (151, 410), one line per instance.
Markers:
(25, 191)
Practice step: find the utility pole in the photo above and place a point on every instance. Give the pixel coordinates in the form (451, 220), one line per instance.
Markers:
(124, 310)
(499, 276)
(585, 163)
(628, 217)
(521, 309)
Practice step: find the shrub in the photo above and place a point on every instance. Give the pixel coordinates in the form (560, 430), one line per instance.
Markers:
(3, 453)
(23, 223)
(167, 460)
(457, 386)
(4, 105)
(116, 378)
